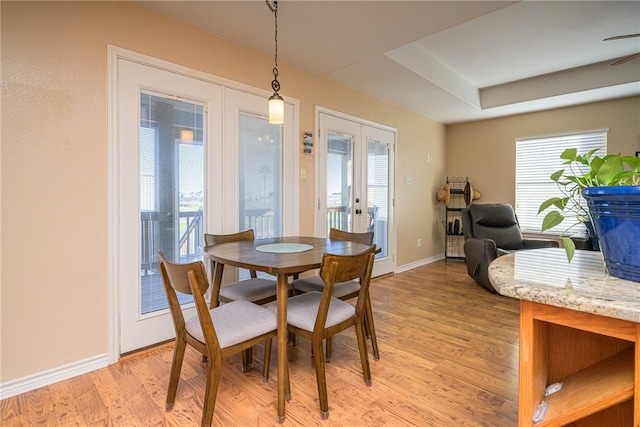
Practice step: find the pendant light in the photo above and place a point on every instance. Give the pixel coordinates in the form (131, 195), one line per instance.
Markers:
(276, 103)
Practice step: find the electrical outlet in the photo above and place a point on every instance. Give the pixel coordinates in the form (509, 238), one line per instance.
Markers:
(419, 243)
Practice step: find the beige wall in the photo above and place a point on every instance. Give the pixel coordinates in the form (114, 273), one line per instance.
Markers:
(54, 170)
(485, 151)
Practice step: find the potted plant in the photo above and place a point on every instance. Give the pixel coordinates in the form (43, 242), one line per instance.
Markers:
(610, 185)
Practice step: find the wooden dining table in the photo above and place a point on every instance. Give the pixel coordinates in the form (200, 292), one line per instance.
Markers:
(281, 257)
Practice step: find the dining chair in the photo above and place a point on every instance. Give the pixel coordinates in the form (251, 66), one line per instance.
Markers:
(216, 333)
(318, 316)
(257, 290)
(344, 290)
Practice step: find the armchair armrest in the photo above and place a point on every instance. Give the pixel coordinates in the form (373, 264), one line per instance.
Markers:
(479, 253)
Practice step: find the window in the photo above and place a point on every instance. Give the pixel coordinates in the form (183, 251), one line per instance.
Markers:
(536, 159)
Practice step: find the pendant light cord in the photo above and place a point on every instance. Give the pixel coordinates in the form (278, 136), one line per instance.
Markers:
(275, 84)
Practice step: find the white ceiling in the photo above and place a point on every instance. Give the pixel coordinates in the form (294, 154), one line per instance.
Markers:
(451, 61)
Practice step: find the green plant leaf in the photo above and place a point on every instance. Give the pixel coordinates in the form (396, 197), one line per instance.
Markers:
(557, 175)
(626, 177)
(569, 154)
(558, 202)
(569, 247)
(552, 219)
(609, 169)
(595, 164)
(633, 162)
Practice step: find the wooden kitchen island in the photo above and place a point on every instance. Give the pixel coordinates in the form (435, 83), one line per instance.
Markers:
(578, 327)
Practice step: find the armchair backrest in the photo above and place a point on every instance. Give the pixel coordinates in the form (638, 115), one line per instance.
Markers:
(495, 221)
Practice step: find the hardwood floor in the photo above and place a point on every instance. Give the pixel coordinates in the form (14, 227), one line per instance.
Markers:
(449, 357)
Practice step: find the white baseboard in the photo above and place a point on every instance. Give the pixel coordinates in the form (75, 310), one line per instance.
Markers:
(416, 264)
(42, 379)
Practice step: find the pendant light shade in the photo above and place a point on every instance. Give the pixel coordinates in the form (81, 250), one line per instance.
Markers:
(276, 102)
(276, 109)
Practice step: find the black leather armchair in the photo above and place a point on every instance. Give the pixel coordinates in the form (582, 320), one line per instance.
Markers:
(491, 230)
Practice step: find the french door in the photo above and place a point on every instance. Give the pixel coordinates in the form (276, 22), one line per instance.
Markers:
(175, 180)
(166, 123)
(356, 181)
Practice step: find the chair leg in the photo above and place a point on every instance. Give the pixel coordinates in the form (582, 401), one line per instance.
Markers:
(292, 339)
(321, 379)
(266, 360)
(176, 367)
(247, 359)
(328, 350)
(287, 384)
(211, 391)
(368, 317)
(362, 346)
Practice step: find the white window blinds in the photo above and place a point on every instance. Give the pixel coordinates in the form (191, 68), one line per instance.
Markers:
(538, 158)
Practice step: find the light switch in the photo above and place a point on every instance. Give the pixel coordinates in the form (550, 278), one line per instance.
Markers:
(407, 180)
(303, 173)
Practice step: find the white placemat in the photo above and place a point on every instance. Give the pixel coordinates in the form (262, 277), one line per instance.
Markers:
(284, 248)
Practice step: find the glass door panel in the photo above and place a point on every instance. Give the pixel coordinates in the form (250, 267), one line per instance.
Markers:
(339, 181)
(378, 193)
(260, 176)
(171, 190)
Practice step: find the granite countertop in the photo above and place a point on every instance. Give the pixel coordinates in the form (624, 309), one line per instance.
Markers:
(545, 276)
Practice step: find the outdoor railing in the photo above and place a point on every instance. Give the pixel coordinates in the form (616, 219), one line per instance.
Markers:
(191, 226)
(337, 218)
(262, 221)
(191, 237)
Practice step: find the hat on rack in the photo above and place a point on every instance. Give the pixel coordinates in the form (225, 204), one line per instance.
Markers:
(470, 194)
(444, 195)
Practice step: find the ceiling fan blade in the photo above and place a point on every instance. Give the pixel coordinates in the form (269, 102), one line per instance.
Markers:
(626, 36)
(625, 59)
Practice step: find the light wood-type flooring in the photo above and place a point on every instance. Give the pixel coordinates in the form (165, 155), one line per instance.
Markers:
(449, 357)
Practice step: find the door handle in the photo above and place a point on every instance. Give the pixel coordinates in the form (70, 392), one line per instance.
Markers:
(358, 211)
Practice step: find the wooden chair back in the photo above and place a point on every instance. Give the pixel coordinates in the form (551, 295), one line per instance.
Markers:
(364, 238)
(341, 268)
(189, 278)
(216, 239)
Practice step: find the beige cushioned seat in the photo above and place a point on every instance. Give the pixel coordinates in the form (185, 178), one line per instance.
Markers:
(235, 322)
(302, 310)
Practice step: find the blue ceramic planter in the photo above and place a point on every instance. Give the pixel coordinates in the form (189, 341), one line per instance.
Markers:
(615, 212)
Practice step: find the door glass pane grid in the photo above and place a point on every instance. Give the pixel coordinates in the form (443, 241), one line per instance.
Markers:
(378, 193)
(171, 190)
(339, 181)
